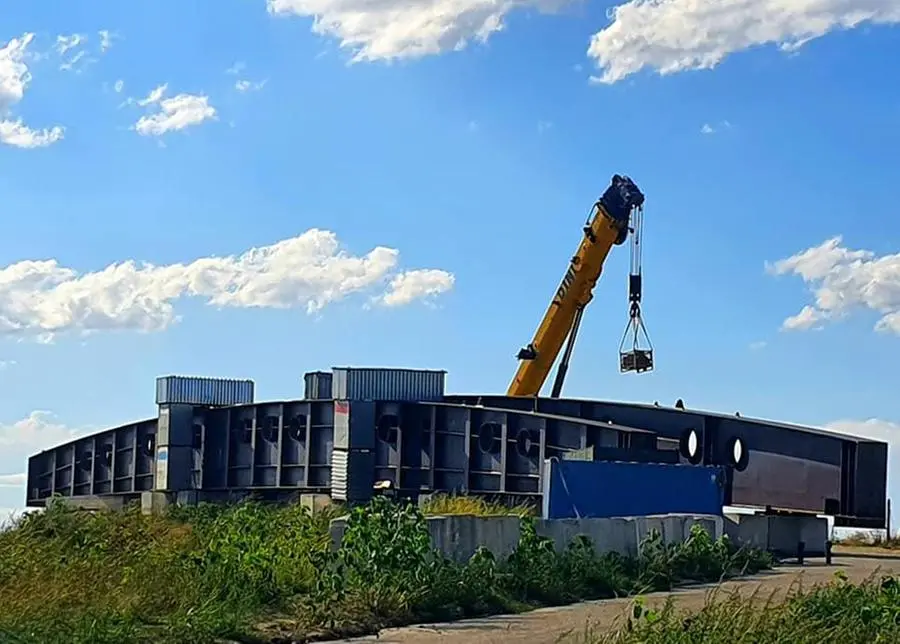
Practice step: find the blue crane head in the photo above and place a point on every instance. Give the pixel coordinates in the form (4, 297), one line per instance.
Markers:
(620, 199)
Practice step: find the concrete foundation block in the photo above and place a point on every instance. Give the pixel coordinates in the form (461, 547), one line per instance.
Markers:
(315, 502)
(779, 534)
(154, 502)
(607, 535)
(459, 537)
(96, 503)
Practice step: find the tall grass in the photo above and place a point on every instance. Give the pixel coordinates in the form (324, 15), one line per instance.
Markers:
(840, 612)
(452, 504)
(251, 572)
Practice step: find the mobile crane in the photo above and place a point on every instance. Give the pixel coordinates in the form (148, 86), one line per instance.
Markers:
(617, 213)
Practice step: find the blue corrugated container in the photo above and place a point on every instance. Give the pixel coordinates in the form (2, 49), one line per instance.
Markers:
(317, 385)
(367, 383)
(604, 489)
(212, 392)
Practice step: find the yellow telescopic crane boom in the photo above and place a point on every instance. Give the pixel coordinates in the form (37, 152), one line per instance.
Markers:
(617, 213)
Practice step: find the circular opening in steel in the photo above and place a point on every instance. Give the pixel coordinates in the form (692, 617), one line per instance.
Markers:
(488, 438)
(297, 428)
(737, 450)
(526, 443)
(693, 442)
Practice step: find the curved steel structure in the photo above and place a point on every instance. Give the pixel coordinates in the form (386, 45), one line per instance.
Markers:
(487, 445)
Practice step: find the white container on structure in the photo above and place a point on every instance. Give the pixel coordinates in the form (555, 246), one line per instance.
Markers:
(372, 383)
(211, 392)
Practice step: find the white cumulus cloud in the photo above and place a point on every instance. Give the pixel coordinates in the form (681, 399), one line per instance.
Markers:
(39, 298)
(671, 36)
(38, 431)
(14, 74)
(416, 285)
(19, 135)
(15, 78)
(388, 29)
(20, 439)
(175, 113)
(841, 281)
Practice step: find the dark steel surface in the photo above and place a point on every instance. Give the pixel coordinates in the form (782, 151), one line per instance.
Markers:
(493, 445)
(317, 385)
(789, 466)
(126, 464)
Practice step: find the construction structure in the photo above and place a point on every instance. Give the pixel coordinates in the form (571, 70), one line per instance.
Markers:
(211, 441)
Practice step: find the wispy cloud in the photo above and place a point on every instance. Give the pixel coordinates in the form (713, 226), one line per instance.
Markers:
(15, 78)
(244, 86)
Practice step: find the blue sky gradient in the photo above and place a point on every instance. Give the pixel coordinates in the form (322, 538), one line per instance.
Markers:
(480, 164)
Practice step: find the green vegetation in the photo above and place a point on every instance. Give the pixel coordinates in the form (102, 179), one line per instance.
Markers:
(255, 573)
(452, 504)
(841, 612)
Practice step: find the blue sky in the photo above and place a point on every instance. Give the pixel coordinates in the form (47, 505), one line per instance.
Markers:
(416, 181)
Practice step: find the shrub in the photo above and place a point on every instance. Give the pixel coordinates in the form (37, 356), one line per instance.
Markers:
(251, 570)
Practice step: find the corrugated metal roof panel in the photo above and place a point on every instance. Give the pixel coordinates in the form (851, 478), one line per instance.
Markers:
(355, 383)
(212, 392)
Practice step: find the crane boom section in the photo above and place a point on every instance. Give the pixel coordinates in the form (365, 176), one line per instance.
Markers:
(607, 227)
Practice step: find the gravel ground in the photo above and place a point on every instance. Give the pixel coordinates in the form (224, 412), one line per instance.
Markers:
(549, 625)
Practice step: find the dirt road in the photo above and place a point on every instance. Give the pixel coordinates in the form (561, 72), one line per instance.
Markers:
(548, 625)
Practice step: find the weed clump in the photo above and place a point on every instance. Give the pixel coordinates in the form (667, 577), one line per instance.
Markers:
(841, 612)
(252, 572)
(454, 504)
